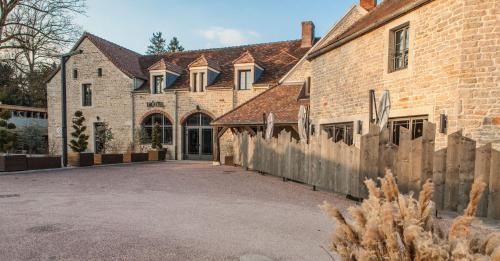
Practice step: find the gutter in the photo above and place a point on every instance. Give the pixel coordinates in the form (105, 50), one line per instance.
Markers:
(368, 29)
(176, 119)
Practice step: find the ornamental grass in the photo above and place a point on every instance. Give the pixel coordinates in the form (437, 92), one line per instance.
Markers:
(391, 226)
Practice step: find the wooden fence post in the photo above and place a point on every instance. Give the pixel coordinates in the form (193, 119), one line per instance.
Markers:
(494, 187)
(402, 165)
(467, 157)
(482, 171)
(439, 177)
(368, 164)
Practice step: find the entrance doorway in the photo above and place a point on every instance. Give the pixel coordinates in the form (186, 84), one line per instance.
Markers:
(198, 137)
(99, 130)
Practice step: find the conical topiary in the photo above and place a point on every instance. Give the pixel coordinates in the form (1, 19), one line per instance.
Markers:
(79, 142)
(155, 137)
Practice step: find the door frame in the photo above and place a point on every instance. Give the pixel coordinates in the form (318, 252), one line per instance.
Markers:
(200, 155)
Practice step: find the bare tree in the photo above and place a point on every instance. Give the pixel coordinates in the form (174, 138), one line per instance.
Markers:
(36, 31)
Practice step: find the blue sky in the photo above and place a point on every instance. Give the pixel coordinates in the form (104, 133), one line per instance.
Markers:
(208, 24)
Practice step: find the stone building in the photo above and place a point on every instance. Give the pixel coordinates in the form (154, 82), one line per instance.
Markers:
(439, 60)
(182, 91)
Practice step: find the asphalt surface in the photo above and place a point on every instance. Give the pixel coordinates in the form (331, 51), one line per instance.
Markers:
(161, 211)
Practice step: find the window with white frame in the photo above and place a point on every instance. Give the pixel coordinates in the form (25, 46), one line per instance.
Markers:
(157, 84)
(415, 124)
(399, 47)
(202, 81)
(244, 80)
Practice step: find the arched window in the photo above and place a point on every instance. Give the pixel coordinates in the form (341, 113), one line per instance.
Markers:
(165, 128)
(198, 119)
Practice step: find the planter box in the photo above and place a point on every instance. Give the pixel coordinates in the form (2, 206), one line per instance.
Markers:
(229, 160)
(12, 162)
(76, 159)
(157, 155)
(135, 157)
(44, 162)
(108, 159)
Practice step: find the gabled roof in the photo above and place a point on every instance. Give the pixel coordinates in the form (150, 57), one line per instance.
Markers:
(162, 64)
(204, 61)
(277, 58)
(282, 100)
(246, 57)
(124, 59)
(385, 12)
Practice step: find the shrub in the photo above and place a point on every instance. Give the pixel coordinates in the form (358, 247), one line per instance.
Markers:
(79, 142)
(8, 137)
(105, 138)
(392, 226)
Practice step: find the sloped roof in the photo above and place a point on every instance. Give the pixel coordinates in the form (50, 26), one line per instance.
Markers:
(124, 59)
(382, 14)
(277, 58)
(164, 65)
(204, 61)
(282, 100)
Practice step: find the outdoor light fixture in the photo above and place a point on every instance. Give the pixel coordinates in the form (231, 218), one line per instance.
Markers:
(198, 107)
(64, 123)
(443, 123)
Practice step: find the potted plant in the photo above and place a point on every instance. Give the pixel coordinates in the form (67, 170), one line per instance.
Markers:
(157, 152)
(79, 143)
(106, 139)
(8, 138)
(136, 151)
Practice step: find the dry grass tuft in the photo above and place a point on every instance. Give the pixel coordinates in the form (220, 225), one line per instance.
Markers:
(391, 226)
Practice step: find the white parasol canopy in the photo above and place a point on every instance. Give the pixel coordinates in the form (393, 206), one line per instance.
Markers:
(270, 126)
(383, 109)
(302, 122)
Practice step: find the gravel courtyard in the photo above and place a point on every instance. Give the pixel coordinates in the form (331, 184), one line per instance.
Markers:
(160, 211)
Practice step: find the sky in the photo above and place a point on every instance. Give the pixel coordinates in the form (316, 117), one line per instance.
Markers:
(200, 24)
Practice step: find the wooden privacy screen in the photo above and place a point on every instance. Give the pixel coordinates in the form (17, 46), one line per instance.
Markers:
(342, 168)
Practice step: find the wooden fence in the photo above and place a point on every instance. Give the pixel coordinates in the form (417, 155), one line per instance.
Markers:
(342, 168)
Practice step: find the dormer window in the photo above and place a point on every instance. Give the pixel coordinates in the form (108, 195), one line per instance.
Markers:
(204, 72)
(244, 79)
(157, 84)
(163, 75)
(247, 71)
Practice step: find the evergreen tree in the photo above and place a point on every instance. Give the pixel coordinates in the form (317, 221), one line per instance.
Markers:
(104, 138)
(7, 136)
(174, 46)
(155, 137)
(79, 142)
(157, 44)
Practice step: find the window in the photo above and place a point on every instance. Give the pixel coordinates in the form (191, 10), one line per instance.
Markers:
(244, 79)
(86, 95)
(157, 84)
(99, 72)
(307, 90)
(165, 128)
(400, 42)
(75, 74)
(341, 132)
(195, 81)
(414, 124)
(202, 81)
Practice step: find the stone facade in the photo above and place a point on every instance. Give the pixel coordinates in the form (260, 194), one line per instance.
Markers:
(453, 69)
(111, 97)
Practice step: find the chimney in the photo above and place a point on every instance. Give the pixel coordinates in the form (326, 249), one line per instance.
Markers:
(368, 4)
(307, 34)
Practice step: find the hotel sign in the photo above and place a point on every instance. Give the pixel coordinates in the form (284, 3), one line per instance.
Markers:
(152, 104)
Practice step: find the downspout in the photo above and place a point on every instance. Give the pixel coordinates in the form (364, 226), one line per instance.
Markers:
(134, 83)
(176, 115)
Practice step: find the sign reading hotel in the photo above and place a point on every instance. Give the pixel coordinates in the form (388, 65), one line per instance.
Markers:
(152, 104)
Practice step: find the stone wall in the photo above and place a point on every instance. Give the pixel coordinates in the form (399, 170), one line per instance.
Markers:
(453, 69)
(111, 97)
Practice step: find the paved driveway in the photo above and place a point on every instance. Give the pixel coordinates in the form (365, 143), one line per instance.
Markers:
(159, 211)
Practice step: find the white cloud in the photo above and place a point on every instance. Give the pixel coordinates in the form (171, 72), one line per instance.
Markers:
(228, 36)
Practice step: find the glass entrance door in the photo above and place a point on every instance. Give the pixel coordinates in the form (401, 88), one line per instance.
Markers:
(198, 137)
